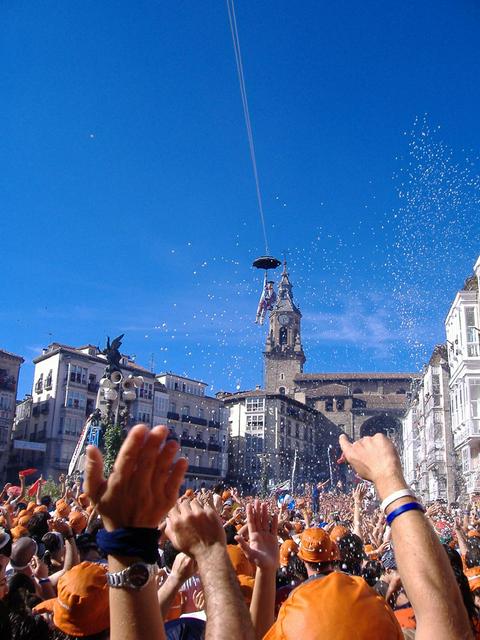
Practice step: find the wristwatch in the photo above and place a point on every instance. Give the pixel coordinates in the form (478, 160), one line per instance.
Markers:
(136, 576)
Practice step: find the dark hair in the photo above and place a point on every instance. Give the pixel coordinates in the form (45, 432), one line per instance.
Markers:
(372, 571)
(472, 557)
(38, 525)
(351, 554)
(25, 626)
(462, 581)
(169, 554)
(6, 550)
(21, 589)
(231, 532)
(46, 500)
(52, 542)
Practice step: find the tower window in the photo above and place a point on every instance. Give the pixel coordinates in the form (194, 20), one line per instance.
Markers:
(328, 405)
(283, 335)
(281, 391)
(282, 376)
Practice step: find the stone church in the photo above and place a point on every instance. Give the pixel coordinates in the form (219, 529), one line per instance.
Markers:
(358, 403)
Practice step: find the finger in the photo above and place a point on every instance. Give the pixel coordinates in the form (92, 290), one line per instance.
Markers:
(95, 482)
(127, 458)
(164, 462)
(148, 456)
(175, 479)
(274, 524)
(242, 543)
(250, 519)
(346, 447)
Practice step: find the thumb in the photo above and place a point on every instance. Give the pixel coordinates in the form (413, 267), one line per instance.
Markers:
(243, 544)
(94, 479)
(345, 445)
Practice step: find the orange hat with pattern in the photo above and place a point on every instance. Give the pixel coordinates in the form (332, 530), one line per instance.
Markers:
(338, 532)
(62, 509)
(298, 526)
(19, 532)
(226, 495)
(81, 608)
(473, 533)
(336, 606)
(78, 521)
(42, 508)
(317, 546)
(288, 548)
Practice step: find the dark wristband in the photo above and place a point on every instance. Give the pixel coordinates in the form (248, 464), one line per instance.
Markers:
(410, 506)
(131, 542)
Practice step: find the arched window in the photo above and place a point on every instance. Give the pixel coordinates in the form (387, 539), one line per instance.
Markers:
(401, 391)
(281, 391)
(283, 335)
(358, 390)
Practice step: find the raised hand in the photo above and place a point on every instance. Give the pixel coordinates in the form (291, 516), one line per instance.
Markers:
(193, 527)
(360, 492)
(262, 546)
(183, 568)
(144, 482)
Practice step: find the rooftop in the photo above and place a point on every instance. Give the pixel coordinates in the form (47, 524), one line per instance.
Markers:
(355, 376)
(9, 354)
(176, 375)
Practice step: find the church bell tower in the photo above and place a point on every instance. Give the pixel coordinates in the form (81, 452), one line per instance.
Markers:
(283, 356)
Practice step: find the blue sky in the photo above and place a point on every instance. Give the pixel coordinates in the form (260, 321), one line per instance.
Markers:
(127, 194)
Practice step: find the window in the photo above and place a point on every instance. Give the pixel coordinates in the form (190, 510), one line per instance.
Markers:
(173, 407)
(281, 391)
(328, 405)
(255, 404)
(255, 421)
(340, 404)
(466, 459)
(473, 335)
(75, 400)
(283, 335)
(186, 410)
(358, 390)
(436, 390)
(474, 388)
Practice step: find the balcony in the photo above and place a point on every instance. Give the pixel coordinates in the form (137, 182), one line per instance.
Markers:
(213, 446)
(473, 350)
(194, 420)
(214, 424)
(192, 442)
(202, 471)
(171, 415)
(470, 431)
(7, 383)
(48, 383)
(44, 408)
(93, 387)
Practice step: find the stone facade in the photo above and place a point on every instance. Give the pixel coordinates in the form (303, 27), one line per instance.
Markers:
(9, 371)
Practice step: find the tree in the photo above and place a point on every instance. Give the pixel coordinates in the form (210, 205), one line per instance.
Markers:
(113, 437)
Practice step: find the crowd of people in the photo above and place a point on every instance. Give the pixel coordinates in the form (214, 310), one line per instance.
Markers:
(134, 556)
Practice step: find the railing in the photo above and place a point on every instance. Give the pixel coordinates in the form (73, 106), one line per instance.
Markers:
(7, 384)
(471, 429)
(214, 424)
(206, 471)
(194, 420)
(171, 415)
(213, 446)
(191, 442)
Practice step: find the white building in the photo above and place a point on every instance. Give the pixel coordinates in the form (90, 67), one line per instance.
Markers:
(65, 388)
(428, 458)
(274, 437)
(9, 370)
(200, 423)
(463, 339)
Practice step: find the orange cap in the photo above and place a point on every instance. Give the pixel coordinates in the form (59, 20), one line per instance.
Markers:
(81, 608)
(18, 532)
(189, 493)
(23, 521)
(22, 513)
(241, 565)
(78, 521)
(226, 495)
(289, 548)
(31, 506)
(42, 508)
(473, 576)
(62, 508)
(316, 546)
(338, 532)
(337, 606)
(473, 533)
(246, 587)
(406, 618)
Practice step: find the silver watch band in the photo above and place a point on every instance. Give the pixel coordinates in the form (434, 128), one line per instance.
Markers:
(121, 579)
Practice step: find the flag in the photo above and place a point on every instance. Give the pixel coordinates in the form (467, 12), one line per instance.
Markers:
(26, 472)
(33, 489)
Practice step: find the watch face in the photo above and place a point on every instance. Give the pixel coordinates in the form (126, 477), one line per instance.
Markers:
(283, 319)
(138, 575)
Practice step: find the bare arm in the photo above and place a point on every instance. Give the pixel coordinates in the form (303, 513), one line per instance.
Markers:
(462, 539)
(358, 496)
(198, 531)
(262, 550)
(71, 552)
(423, 564)
(144, 467)
(183, 568)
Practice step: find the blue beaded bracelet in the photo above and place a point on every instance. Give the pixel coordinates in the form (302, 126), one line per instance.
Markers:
(410, 506)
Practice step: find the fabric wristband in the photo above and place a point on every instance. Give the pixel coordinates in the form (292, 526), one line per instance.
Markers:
(403, 493)
(134, 542)
(410, 506)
